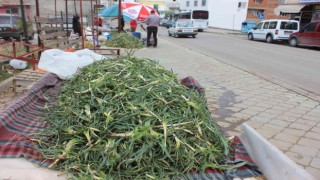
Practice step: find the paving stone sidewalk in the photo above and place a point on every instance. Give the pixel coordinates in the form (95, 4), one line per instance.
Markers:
(288, 120)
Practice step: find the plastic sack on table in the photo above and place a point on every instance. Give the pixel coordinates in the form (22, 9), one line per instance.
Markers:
(88, 33)
(18, 64)
(65, 64)
(73, 36)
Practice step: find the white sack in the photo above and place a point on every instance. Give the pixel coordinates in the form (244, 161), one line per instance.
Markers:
(66, 64)
(18, 64)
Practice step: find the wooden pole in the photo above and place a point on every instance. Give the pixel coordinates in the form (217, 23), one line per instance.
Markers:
(67, 18)
(93, 23)
(81, 25)
(55, 9)
(119, 16)
(75, 7)
(37, 8)
(24, 24)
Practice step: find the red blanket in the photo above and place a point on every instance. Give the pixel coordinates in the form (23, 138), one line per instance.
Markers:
(24, 118)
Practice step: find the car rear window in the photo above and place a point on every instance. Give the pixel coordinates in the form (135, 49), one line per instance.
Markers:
(184, 24)
(273, 25)
(289, 25)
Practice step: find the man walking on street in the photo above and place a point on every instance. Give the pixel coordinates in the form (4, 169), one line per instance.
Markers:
(152, 28)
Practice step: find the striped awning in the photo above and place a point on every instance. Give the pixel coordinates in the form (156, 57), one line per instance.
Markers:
(289, 8)
(15, 2)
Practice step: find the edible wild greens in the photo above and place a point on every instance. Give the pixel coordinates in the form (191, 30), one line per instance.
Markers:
(129, 118)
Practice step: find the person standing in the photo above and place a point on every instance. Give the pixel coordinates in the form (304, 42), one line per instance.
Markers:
(152, 28)
(76, 25)
(100, 22)
(133, 25)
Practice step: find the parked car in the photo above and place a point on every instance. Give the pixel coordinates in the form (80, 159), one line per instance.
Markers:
(181, 28)
(163, 22)
(9, 27)
(7, 32)
(308, 36)
(273, 30)
(169, 23)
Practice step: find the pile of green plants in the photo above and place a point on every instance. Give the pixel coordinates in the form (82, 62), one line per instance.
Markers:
(126, 41)
(129, 118)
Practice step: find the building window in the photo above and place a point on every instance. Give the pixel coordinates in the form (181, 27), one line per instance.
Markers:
(8, 11)
(14, 10)
(195, 3)
(257, 1)
(204, 3)
(255, 12)
(188, 3)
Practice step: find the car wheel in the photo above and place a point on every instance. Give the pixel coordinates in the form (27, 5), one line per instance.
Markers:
(269, 39)
(293, 42)
(250, 36)
(169, 33)
(194, 36)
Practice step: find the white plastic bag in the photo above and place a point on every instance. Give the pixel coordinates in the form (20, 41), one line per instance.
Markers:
(18, 64)
(73, 36)
(88, 33)
(66, 64)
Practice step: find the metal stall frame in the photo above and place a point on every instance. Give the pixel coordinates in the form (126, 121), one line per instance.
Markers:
(31, 56)
(94, 27)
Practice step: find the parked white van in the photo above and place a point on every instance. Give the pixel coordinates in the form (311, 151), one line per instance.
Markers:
(273, 30)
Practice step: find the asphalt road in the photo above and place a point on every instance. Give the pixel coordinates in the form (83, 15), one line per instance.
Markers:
(297, 67)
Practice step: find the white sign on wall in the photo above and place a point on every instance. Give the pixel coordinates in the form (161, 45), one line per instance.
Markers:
(104, 2)
(309, 1)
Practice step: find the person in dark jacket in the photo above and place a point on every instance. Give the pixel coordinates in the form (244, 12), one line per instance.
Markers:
(76, 25)
(122, 23)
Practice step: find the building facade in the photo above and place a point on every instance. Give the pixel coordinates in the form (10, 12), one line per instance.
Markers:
(305, 11)
(263, 9)
(227, 14)
(160, 5)
(186, 5)
(47, 8)
(13, 7)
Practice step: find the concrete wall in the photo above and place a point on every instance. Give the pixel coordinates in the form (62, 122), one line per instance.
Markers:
(268, 7)
(226, 14)
(26, 8)
(46, 7)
